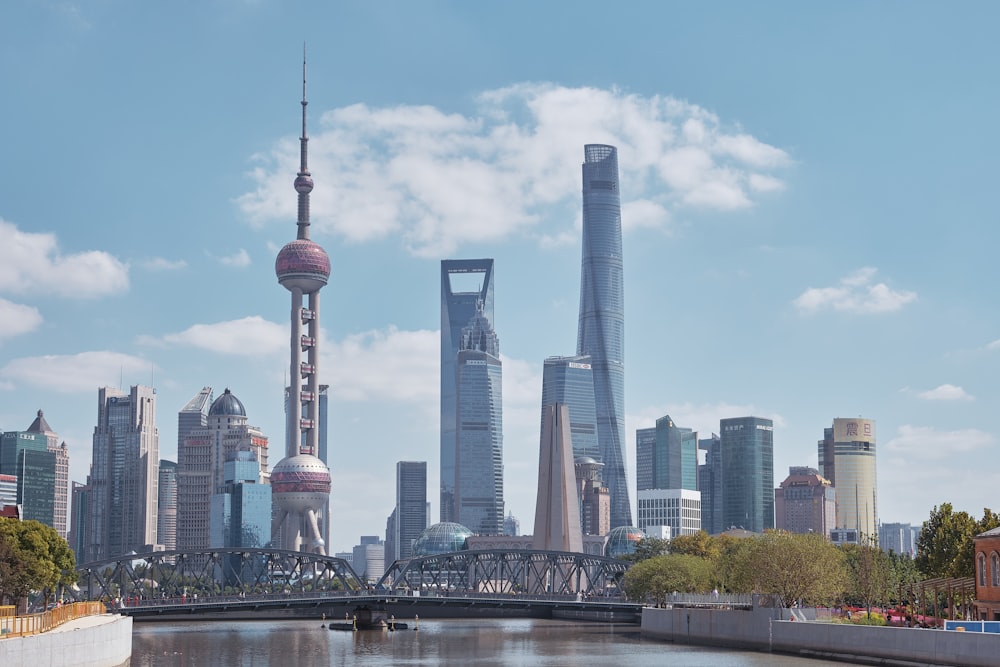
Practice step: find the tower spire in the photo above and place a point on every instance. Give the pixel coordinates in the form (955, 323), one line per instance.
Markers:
(303, 180)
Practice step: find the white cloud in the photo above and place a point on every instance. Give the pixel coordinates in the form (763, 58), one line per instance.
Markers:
(161, 264)
(440, 180)
(855, 294)
(385, 364)
(239, 259)
(946, 392)
(928, 444)
(250, 336)
(31, 262)
(83, 372)
(640, 213)
(17, 319)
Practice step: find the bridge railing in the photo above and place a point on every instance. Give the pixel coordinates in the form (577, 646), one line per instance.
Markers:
(710, 600)
(33, 624)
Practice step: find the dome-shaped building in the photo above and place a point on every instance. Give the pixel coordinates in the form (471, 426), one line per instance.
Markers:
(622, 541)
(227, 405)
(441, 538)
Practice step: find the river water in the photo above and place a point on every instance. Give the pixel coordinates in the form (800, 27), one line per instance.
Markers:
(478, 642)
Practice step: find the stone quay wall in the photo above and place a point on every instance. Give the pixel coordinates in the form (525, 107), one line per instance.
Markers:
(91, 641)
(773, 630)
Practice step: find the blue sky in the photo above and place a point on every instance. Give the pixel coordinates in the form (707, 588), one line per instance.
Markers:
(808, 201)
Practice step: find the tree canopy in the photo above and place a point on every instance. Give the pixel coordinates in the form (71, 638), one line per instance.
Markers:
(945, 547)
(793, 566)
(33, 558)
(872, 580)
(660, 576)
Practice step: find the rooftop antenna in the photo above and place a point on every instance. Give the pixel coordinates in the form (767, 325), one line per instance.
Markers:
(303, 183)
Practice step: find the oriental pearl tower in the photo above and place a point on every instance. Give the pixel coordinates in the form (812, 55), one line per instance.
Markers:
(300, 483)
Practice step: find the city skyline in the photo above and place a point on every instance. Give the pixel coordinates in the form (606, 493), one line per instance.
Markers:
(805, 201)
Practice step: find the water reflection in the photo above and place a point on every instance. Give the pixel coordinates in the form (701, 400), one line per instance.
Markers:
(479, 642)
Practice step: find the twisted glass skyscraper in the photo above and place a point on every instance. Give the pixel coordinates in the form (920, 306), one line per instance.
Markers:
(601, 332)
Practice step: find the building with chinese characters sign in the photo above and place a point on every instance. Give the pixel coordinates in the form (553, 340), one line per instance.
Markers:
(847, 459)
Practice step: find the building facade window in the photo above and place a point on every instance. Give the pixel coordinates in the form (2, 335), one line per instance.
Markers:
(981, 562)
(995, 563)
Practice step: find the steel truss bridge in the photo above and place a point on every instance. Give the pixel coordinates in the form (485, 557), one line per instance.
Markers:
(222, 581)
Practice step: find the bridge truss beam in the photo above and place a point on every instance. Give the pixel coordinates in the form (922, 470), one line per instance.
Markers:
(527, 572)
(214, 572)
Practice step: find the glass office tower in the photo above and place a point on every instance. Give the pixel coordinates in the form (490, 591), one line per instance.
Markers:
(26, 455)
(479, 456)
(748, 470)
(570, 381)
(601, 332)
(458, 307)
(411, 507)
(666, 457)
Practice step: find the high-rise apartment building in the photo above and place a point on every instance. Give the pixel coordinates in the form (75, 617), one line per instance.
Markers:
(26, 456)
(368, 558)
(78, 520)
(601, 333)
(748, 470)
(666, 457)
(201, 462)
(805, 502)
(570, 381)
(847, 459)
(595, 501)
(680, 509)
(409, 518)
(710, 485)
(300, 482)
(124, 475)
(479, 503)
(166, 514)
(459, 305)
(898, 538)
(60, 502)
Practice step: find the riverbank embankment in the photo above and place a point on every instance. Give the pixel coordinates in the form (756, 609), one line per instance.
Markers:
(104, 640)
(773, 630)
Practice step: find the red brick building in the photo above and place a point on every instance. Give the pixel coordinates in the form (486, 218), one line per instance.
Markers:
(988, 575)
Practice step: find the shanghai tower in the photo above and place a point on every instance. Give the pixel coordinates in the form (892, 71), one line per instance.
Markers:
(300, 483)
(601, 332)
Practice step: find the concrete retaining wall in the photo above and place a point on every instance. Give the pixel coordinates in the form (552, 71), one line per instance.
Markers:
(763, 629)
(93, 641)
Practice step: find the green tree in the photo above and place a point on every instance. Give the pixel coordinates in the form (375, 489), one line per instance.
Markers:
(871, 576)
(28, 565)
(904, 575)
(646, 548)
(790, 565)
(658, 577)
(701, 544)
(945, 547)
